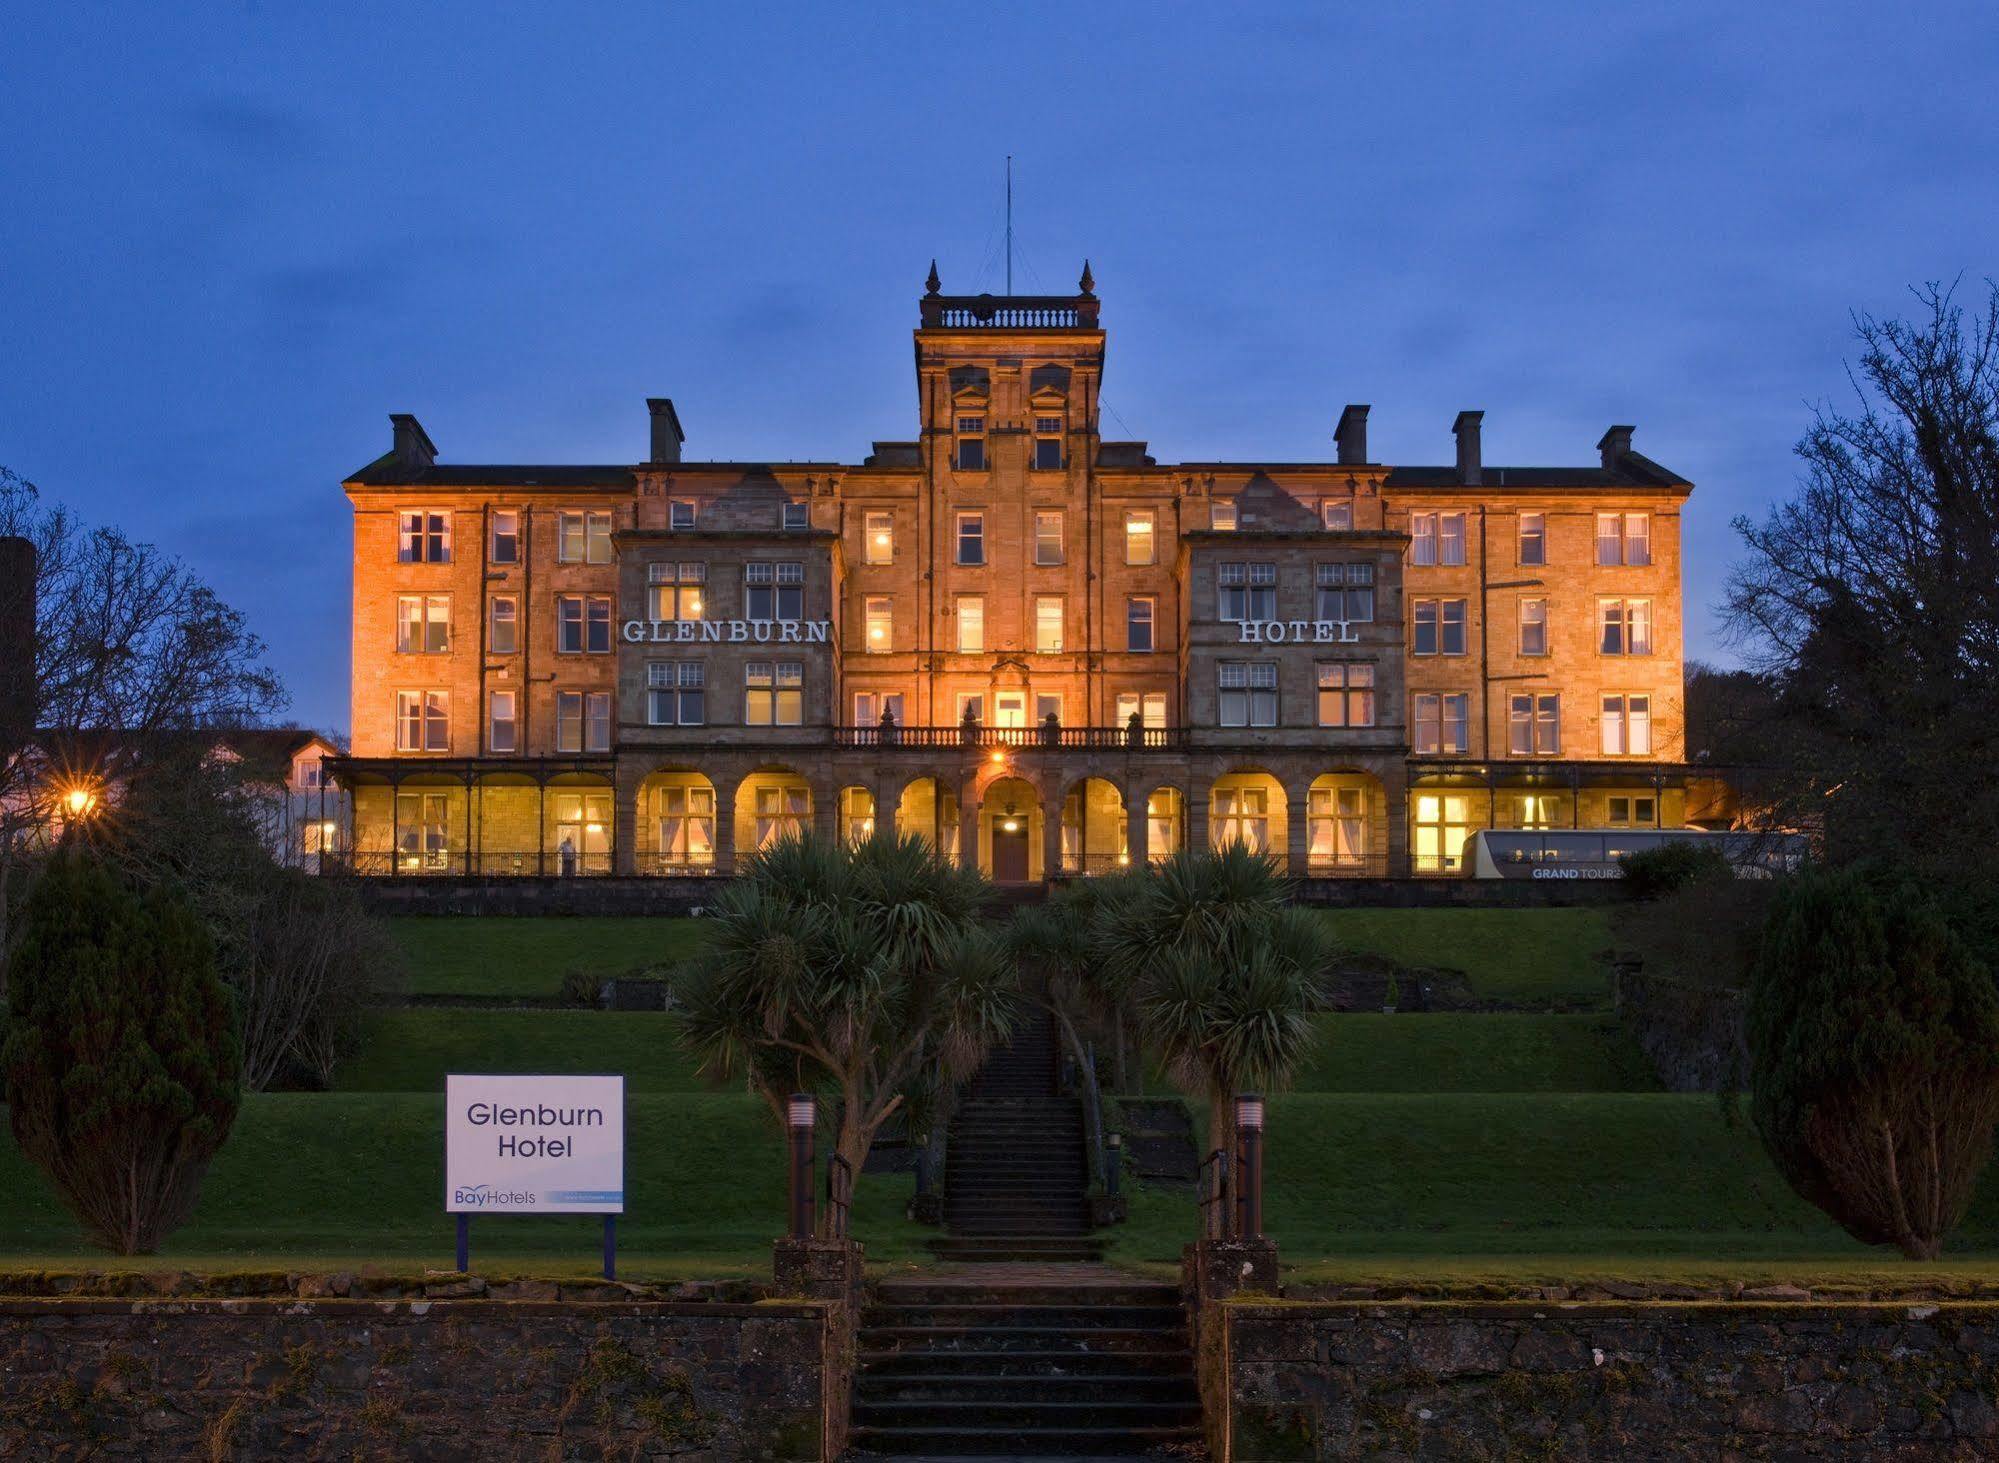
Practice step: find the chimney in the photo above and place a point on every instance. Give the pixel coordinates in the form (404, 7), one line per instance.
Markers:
(1465, 429)
(413, 445)
(666, 433)
(1351, 434)
(17, 644)
(1615, 446)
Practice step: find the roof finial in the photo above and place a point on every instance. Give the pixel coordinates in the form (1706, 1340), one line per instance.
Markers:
(1087, 282)
(932, 284)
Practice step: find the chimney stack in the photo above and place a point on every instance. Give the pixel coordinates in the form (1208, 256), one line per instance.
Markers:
(1351, 434)
(17, 644)
(666, 433)
(1615, 446)
(413, 445)
(1470, 464)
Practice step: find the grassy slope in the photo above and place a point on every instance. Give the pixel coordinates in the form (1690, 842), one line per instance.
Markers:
(359, 1177)
(412, 1050)
(1464, 1052)
(489, 956)
(1528, 957)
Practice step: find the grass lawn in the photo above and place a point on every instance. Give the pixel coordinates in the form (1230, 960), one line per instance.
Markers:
(349, 1178)
(1411, 1187)
(1517, 957)
(1474, 1052)
(411, 1050)
(484, 955)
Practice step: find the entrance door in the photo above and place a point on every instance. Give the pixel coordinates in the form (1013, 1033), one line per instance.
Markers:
(1010, 853)
(1009, 708)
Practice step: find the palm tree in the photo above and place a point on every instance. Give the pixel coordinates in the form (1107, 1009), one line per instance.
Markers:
(848, 969)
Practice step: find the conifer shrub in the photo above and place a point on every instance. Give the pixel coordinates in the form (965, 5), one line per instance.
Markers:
(1874, 1057)
(120, 1059)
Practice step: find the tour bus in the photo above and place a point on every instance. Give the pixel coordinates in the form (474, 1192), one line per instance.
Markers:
(1599, 853)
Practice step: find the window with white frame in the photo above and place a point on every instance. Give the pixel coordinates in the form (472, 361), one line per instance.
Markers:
(1047, 704)
(1442, 724)
(583, 624)
(781, 812)
(583, 538)
(503, 625)
(968, 703)
(878, 613)
(674, 591)
(505, 546)
(1242, 815)
(1625, 811)
(1336, 514)
(1245, 592)
(1439, 627)
(971, 539)
(1048, 624)
(773, 693)
(680, 514)
(773, 590)
(423, 721)
(1336, 827)
(871, 706)
(1437, 538)
(971, 624)
(1534, 724)
(1627, 726)
(423, 624)
(1534, 810)
(1533, 627)
(1248, 692)
(676, 693)
(1624, 538)
(424, 839)
(1221, 515)
(1047, 443)
(1138, 617)
(1533, 539)
(423, 537)
(1148, 706)
(1443, 826)
(1344, 592)
(1048, 537)
(1625, 626)
(582, 721)
(794, 517)
(503, 726)
(687, 826)
(1346, 693)
(878, 533)
(1141, 539)
(971, 444)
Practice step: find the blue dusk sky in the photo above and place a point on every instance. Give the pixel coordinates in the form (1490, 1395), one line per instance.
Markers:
(237, 237)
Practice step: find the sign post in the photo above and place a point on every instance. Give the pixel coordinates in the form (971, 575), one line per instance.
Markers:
(534, 1145)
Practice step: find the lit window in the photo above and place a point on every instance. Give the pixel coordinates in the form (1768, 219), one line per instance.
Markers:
(687, 826)
(1248, 692)
(1442, 724)
(971, 538)
(1346, 694)
(1242, 815)
(423, 721)
(1221, 514)
(1625, 627)
(1048, 443)
(1533, 538)
(502, 722)
(1149, 707)
(674, 591)
(1048, 546)
(1443, 825)
(583, 624)
(880, 619)
(1533, 627)
(1138, 623)
(1534, 725)
(1048, 624)
(871, 706)
(1623, 538)
(969, 706)
(423, 538)
(1437, 538)
(1140, 542)
(971, 623)
(971, 444)
(1627, 726)
(1422, 538)
(1345, 592)
(676, 693)
(1336, 827)
(879, 531)
(423, 624)
(1337, 514)
(793, 517)
(503, 631)
(583, 538)
(582, 721)
(680, 514)
(506, 545)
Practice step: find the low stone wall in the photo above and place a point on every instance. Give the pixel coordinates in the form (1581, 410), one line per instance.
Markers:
(1593, 1381)
(343, 1378)
(1454, 893)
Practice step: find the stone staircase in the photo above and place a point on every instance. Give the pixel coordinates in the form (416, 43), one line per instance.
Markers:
(1014, 1361)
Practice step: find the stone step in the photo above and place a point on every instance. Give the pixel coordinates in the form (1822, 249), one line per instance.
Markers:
(975, 1315)
(1027, 1363)
(1072, 1339)
(983, 1414)
(1032, 1442)
(1034, 1288)
(1017, 1248)
(983, 1389)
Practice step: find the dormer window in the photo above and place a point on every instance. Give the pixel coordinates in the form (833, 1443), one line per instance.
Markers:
(1048, 444)
(1221, 515)
(971, 444)
(680, 514)
(793, 518)
(1337, 514)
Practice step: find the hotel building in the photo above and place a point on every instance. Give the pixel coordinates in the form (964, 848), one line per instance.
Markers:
(1046, 652)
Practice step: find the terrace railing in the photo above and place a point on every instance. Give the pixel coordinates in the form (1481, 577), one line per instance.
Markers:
(1019, 738)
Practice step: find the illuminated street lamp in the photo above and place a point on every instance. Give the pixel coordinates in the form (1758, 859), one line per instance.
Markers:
(80, 799)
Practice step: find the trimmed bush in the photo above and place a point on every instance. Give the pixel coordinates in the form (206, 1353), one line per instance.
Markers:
(121, 1059)
(1874, 1058)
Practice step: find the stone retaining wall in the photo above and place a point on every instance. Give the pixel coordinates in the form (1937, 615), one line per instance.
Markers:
(1594, 1381)
(433, 1379)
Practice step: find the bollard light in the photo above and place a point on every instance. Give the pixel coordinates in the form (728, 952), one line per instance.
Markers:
(1249, 1110)
(1249, 1165)
(1114, 1163)
(804, 1110)
(803, 1115)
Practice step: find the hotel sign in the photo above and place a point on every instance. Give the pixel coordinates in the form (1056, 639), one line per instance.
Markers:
(726, 632)
(1299, 632)
(534, 1145)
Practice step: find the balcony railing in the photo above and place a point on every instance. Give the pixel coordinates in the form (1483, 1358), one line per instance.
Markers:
(1010, 312)
(1024, 738)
